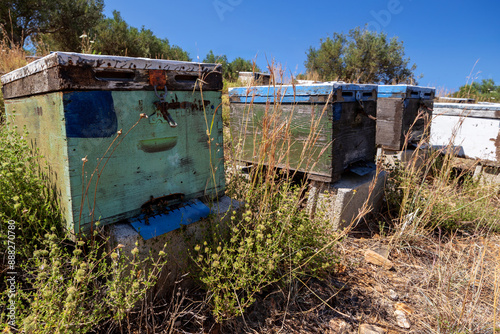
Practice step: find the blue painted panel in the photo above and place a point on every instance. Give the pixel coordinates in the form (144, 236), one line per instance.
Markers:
(190, 213)
(406, 91)
(337, 112)
(89, 114)
(285, 90)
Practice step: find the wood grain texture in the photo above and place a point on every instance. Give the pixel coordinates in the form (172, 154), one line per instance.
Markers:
(399, 117)
(100, 62)
(43, 117)
(64, 78)
(345, 135)
(187, 159)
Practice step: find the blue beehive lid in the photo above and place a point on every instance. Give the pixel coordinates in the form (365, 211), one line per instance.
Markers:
(303, 93)
(406, 92)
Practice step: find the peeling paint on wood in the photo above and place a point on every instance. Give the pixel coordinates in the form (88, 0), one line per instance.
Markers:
(472, 129)
(72, 59)
(346, 130)
(154, 160)
(62, 71)
(402, 111)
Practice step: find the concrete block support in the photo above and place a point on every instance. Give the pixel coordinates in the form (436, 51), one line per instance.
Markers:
(178, 242)
(343, 200)
(405, 157)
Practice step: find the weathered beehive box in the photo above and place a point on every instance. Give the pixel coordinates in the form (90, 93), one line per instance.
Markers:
(254, 78)
(445, 99)
(402, 111)
(74, 107)
(331, 125)
(471, 130)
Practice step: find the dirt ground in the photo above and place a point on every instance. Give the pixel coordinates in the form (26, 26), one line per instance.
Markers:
(436, 284)
(439, 284)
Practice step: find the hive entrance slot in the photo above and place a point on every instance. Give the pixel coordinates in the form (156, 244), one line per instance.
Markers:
(111, 75)
(186, 78)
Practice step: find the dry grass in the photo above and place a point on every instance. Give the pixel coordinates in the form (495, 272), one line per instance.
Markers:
(11, 56)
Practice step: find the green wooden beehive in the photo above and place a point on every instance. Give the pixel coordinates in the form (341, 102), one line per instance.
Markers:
(342, 139)
(75, 106)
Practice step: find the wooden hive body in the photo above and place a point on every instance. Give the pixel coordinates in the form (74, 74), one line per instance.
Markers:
(73, 105)
(471, 129)
(398, 108)
(344, 114)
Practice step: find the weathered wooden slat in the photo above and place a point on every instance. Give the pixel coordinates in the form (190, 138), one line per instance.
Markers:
(86, 78)
(491, 111)
(402, 111)
(61, 59)
(345, 132)
(470, 130)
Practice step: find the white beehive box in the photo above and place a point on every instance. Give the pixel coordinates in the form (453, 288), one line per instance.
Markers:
(472, 129)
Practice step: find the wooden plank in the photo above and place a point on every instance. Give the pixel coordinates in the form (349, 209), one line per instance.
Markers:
(193, 166)
(65, 78)
(469, 137)
(491, 111)
(281, 135)
(72, 59)
(303, 93)
(399, 117)
(43, 116)
(68, 127)
(389, 133)
(353, 134)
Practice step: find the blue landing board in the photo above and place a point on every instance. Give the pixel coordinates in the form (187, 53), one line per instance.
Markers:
(190, 213)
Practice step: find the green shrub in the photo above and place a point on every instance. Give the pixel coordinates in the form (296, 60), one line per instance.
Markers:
(73, 288)
(270, 240)
(24, 197)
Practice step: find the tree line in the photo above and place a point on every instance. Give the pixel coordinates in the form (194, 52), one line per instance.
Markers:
(80, 26)
(486, 90)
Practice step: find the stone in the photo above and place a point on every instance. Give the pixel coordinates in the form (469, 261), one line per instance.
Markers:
(338, 326)
(401, 319)
(370, 329)
(383, 250)
(393, 295)
(403, 307)
(377, 259)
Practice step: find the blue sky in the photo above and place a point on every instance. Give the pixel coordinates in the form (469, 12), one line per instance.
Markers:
(444, 38)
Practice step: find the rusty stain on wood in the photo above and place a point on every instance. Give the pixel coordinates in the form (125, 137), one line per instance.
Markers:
(154, 159)
(58, 72)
